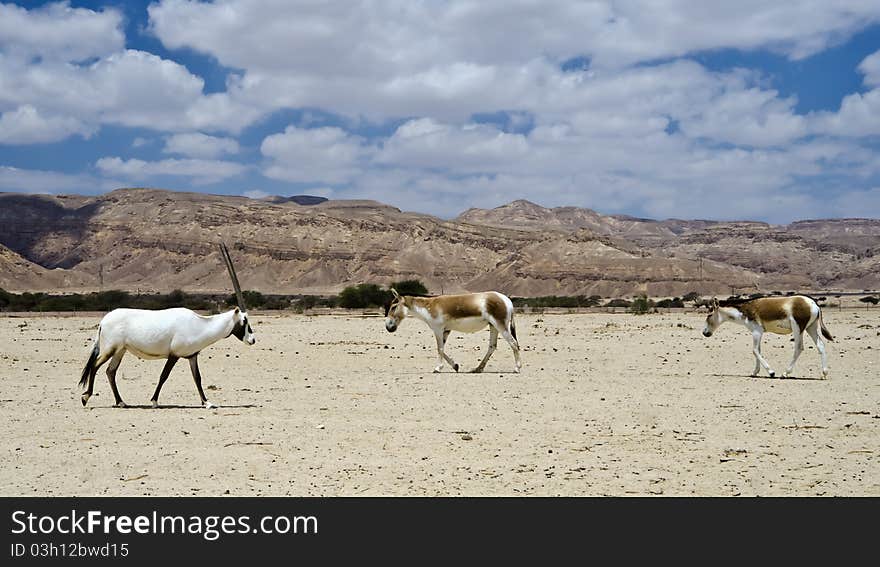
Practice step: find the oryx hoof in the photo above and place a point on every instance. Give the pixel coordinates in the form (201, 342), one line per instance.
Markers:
(155, 403)
(121, 404)
(772, 374)
(785, 374)
(437, 370)
(477, 370)
(209, 405)
(455, 366)
(824, 374)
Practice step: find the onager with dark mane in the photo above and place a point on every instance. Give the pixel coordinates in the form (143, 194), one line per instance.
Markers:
(466, 313)
(781, 315)
(167, 333)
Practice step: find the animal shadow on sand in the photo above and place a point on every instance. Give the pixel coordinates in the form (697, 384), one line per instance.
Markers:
(765, 377)
(173, 406)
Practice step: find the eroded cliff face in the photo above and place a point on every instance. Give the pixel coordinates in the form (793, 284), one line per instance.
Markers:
(155, 240)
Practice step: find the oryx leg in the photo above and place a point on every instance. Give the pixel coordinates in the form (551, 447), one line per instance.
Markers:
(820, 346)
(756, 350)
(172, 360)
(797, 332)
(441, 337)
(493, 344)
(102, 358)
(111, 376)
(197, 377)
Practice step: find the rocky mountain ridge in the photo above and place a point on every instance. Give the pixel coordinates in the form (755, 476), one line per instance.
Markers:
(157, 240)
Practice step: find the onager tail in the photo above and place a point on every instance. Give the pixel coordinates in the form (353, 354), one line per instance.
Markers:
(96, 350)
(513, 328)
(825, 332)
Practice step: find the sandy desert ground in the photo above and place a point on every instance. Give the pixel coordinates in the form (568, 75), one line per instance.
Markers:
(607, 404)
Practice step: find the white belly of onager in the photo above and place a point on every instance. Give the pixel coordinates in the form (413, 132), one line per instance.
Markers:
(780, 327)
(467, 324)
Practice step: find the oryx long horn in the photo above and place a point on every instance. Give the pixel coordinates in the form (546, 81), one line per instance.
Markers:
(226, 258)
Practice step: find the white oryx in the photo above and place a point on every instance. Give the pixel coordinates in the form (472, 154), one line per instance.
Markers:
(167, 333)
(781, 315)
(467, 313)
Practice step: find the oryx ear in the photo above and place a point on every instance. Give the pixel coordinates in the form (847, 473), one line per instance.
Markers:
(394, 292)
(237, 310)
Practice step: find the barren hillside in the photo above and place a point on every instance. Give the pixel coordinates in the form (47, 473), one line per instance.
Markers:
(156, 240)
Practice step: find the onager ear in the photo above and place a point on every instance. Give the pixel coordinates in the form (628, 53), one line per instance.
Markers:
(394, 292)
(714, 303)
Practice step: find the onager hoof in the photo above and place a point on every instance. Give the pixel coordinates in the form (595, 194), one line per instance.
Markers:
(85, 399)
(209, 405)
(121, 404)
(455, 366)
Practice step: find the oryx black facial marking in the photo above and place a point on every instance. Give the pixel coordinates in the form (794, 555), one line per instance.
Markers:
(241, 328)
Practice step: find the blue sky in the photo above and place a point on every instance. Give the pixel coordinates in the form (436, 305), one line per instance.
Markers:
(668, 108)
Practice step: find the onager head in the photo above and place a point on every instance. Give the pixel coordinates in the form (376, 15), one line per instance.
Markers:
(241, 327)
(395, 312)
(714, 319)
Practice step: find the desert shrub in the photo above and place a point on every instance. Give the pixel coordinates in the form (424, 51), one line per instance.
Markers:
(641, 305)
(872, 299)
(618, 303)
(674, 302)
(410, 287)
(569, 301)
(363, 295)
(690, 296)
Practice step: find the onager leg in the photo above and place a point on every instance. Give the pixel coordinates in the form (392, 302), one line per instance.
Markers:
(197, 377)
(172, 360)
(798, 346)
(493, 344)
(756, 350)
(514, 344)
(441, 343)
(820, 345)
(111, 376)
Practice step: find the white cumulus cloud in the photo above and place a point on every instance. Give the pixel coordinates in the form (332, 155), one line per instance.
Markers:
(196, 144)
(198, 170)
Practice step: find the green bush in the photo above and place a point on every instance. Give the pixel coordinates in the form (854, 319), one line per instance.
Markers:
(410, 287)
(674, 302)
(569, 301)
(641, 305)
(363, 295)
(618, 303)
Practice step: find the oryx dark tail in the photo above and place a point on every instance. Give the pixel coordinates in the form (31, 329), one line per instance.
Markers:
(96, 350)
